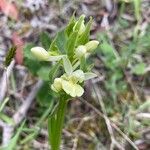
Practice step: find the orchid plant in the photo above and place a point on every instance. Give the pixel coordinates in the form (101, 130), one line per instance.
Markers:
(70, 83)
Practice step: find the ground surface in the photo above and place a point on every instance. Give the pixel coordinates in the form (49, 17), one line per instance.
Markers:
(114, 112)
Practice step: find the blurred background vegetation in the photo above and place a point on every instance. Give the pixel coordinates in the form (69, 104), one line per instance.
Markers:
(114, 112)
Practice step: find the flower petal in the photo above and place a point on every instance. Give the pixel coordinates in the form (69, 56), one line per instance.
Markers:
(89, 75)
(67, 86)
(67, 65)
(72, 89)
(78, 90)
(40, 53)
(78, 75)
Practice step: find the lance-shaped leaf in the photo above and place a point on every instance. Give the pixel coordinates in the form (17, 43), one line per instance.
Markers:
(53, 46)
(79, 23)
(84, 38)
(53, 71)
(71, 42)
(83, 64)
(70, 26)
(45, 40)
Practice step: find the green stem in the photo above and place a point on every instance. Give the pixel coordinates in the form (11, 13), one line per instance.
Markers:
(55, 124)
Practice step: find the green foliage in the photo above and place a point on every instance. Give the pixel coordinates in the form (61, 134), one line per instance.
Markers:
(139, 69)
(70, 25)
(61, 41)
(2, 104)
(33, 132)
(40, 69)
(13, 142)
(71, 43)
(67, 65)
(53, 71)
(45, 95)
(10, 55)
(112, 62)
(45, 40)
(137, 7)
(84, 38)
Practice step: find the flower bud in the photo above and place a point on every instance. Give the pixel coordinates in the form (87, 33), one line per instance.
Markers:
(90, 46)
(57, 85)
(40, 53)
(80, 51)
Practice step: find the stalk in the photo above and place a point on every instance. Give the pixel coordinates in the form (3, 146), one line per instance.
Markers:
(55, 124)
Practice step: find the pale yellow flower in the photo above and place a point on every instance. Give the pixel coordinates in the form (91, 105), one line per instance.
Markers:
(85, 50)
(41, 54)
(70, 83)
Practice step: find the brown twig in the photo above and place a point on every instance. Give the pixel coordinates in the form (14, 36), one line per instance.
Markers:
(112, 124)
(4, 80)
(20, 114)
(108, 123)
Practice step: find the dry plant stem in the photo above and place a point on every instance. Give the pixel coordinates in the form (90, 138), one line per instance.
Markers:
(109, 127)
(7, 132)
(112, 124)
(77, 132)
(124, 136)
(20, 114)
(108, 5)
(4, 80)
(143, 116)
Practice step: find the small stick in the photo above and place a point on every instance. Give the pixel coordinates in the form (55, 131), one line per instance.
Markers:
(4, 80)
